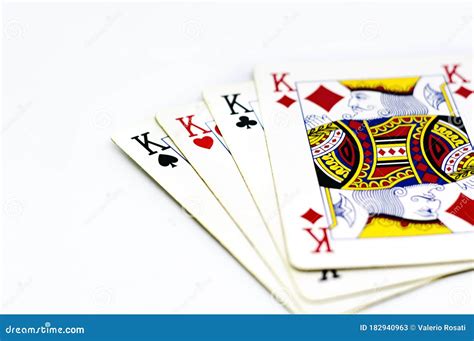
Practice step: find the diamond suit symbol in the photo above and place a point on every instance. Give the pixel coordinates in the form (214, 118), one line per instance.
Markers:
(463, 208)
(286, 101)
(324, 97)
(464, 92)
(311, 215)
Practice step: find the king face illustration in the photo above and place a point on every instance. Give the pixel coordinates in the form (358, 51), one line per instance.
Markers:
(395, 147)
(397, 151)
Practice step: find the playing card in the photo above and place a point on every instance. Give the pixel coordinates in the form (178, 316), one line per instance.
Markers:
(370, 158)
(152, 150)
(194, 132)
(230, 106)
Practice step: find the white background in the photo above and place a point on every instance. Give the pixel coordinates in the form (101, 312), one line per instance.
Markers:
(84, 231)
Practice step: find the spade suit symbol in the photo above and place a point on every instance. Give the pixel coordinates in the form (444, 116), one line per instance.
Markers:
(165, 160)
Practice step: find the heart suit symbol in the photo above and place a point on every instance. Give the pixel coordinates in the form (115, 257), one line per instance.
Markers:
(204, 142)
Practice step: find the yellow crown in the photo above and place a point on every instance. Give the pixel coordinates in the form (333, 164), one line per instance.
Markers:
(399, 86)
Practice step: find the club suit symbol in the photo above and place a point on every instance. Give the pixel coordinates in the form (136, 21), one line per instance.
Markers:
(244, 121)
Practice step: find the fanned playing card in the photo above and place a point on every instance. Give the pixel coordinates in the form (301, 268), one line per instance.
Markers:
(376, 159)
(235, 110)
(148, 145)
(202, 142)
